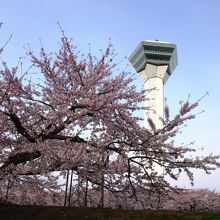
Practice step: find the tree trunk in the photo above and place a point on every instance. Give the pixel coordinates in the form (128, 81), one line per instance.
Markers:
(70, 190)
(66, 190)
(102, 192)
(7, 191)
(86, 193)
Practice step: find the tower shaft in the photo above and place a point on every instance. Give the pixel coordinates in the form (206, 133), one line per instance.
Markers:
(154, 78)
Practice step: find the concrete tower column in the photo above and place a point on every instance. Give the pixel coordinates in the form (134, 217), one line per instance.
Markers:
(154, 78)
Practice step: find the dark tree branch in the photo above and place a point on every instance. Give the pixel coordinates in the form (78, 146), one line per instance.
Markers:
(20, 158)
(21, 130)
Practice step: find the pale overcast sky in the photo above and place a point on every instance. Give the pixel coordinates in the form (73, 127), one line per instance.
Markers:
(194, 25)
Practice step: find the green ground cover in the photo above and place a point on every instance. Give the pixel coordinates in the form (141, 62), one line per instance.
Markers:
(12, 212)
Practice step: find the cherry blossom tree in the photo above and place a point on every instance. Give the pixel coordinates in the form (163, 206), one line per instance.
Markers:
(79, 116)
(193, 199)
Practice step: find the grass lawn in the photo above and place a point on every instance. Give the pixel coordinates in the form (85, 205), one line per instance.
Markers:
(9, 212)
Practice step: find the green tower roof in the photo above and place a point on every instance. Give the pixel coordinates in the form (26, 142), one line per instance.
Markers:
(156, 53)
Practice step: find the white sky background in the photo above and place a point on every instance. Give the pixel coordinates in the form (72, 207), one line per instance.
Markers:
(191, 24)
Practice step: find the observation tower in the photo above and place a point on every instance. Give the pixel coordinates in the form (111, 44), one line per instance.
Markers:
(154, 61)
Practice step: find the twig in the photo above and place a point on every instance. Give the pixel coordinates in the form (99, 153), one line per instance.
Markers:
(2, 48)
